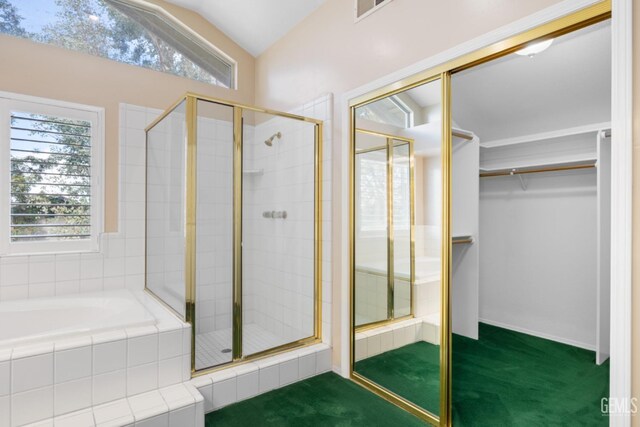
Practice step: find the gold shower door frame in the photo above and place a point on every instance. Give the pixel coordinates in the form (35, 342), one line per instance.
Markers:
(393, 141)
(590, 15)
(191, 117)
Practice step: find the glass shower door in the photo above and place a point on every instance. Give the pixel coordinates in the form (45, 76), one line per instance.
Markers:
(278, 249)
(372, 294)
(166, 191)
(402, 202)
(213, 234)
(233, 241)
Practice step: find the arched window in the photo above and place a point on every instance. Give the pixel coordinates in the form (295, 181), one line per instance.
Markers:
(130, 31)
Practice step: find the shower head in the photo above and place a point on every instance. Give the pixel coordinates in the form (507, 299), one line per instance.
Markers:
(269, 142)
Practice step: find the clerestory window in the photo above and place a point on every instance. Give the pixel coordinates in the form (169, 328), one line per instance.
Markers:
(130, 31)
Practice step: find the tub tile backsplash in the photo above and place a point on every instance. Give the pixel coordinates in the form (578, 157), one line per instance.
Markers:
(120, 261)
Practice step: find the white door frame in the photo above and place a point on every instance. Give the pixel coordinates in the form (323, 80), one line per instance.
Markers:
(621, 194)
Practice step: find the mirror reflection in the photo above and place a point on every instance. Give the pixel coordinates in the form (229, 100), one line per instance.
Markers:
(397, 243)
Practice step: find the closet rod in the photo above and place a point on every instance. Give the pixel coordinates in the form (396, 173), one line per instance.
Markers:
(461, 134)
(461, 241)
(548, 169)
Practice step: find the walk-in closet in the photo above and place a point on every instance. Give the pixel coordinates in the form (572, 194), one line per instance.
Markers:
(530, 294)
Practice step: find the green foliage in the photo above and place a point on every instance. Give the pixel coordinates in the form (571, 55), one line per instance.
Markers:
(50, 186)
(97, 28)
(10, 21)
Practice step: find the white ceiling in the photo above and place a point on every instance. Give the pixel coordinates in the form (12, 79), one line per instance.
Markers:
(567, 85)
(253, 24)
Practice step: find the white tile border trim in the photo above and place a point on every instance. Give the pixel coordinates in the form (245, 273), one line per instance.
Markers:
(223, 388)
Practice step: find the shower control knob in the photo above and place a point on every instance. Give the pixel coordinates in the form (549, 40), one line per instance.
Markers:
(274, 214)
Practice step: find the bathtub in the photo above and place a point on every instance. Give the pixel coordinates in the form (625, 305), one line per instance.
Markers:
(32, 321)
(427, 269)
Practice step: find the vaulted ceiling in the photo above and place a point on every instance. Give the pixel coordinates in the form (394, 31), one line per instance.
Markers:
(253, 24)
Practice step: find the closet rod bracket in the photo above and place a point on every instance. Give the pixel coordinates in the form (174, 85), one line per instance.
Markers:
(523, 182)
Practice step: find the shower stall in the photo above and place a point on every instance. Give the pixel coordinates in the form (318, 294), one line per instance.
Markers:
(233, 217)
(384, 223)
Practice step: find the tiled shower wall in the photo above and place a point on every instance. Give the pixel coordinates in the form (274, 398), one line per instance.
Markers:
(278, 254)
(214, 232)
(120, 261)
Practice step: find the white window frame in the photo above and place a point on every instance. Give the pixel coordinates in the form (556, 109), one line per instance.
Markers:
(95, 115)
(404, 108)
(182, 27)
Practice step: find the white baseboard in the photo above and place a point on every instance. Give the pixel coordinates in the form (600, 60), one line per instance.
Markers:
(573, 343)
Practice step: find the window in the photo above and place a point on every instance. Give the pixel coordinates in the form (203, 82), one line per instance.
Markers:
(51, 156)
(130, 31)
(372, 191)
(391, 110)
(366, 7)
(371, 181)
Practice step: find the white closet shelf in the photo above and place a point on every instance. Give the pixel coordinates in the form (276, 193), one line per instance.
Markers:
(578, 130)
(253, 172)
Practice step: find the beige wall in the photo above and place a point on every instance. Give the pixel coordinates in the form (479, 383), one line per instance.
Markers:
(635, 327)
(47, 71)
(327, 52)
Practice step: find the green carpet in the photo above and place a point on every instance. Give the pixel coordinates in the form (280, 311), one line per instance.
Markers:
(326, 400)
(412, 371)
(511, 379)
(504, 379)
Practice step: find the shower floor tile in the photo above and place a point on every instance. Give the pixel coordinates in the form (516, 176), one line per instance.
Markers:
(210, 346)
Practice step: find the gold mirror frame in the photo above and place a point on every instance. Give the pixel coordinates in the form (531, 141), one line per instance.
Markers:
(588, 16)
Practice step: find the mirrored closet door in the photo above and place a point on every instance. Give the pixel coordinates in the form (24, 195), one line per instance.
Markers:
(397, 244)
(479, 231)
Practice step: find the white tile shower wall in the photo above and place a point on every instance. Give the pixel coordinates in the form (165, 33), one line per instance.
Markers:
(120, 260)
(278, 254)
(371, 296)
(214, 232)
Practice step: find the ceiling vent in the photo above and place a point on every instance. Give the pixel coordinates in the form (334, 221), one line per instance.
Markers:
(364, 8)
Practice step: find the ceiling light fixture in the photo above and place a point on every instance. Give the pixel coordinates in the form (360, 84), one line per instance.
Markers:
(534, 49)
